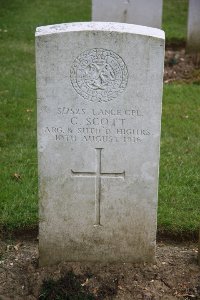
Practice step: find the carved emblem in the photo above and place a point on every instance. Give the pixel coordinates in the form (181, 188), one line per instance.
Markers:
(99, 75)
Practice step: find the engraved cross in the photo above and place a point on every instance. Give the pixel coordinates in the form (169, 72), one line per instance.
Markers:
(98, 174)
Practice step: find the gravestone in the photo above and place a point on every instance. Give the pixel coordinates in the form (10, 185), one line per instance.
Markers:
(141, 12)
(193, 39)
(99, 89)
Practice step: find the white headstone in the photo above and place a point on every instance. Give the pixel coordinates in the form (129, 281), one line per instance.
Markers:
(193, 41)
(141, 12)
(99, 88)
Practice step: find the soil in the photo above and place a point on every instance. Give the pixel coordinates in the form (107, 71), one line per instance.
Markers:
(174, 275)
(181, 67)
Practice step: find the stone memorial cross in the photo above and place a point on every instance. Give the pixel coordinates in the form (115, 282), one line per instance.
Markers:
(98, 174)
(99, 90)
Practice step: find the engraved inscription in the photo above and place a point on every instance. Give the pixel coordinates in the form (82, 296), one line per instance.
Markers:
(99, 75)
(98, 174)
(95, 125)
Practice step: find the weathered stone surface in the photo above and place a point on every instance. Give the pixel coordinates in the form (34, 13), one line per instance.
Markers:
(99, 88)
(141, 12)
(193, 40)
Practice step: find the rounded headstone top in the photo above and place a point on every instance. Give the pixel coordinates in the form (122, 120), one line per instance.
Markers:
(100, 26)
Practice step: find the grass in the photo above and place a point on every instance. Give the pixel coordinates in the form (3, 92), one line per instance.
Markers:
(175, 20)
(179, 206)
(18, 155)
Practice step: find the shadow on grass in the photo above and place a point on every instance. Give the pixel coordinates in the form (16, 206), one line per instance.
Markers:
(175, 44)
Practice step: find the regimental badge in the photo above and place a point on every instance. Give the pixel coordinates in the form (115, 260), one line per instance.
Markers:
(99, 75)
